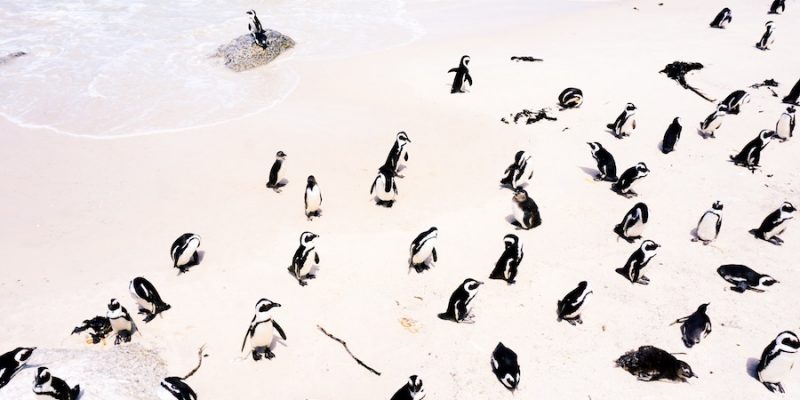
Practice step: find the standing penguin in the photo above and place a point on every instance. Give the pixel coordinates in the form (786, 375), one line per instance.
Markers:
(458, 306)
(744, 278)
(632, 270)
(695, 326)
(305, 258)
(313, 198)
(733, 102)
(47, 386)
(505, 366)
(412, 390)
(256, 30)
(794, 94)
(722, 19)
(605, 163)
(768, 38)
(784, 129)
(750, 156)
(633, 223)
(569, 308)
(777, 360)
(397, 152)
(423, 250)
(506, 267)
(671, 136)
(176, 388)
(710, 223)
(121, 322)
(525, 210)
(184, 251)
(13, 362)
(147, 297)
(777, 7)
(570, 98)
(462, 75)
(276, 181)
(386, 187)
(710, 125)
(774, 224)
(625, 123)
(519, 172)
(631, 175)
(261, 330)
(650, 363)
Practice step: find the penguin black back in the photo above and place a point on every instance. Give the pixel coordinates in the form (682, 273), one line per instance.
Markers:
(462, 75)
(649, 363)
(671, 136)
(695, 326)
(744, 278)
(12, 362)
(505, 366)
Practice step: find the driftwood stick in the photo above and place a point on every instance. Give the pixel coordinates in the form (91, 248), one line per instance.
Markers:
(200, 356)
(361, 363)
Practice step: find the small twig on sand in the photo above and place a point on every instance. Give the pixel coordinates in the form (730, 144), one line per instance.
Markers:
(525, 58)
(361, 363)
(200, 356)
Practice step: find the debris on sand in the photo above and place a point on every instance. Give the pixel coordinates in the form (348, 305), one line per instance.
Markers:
(677, 71)
(529, 117)
(525, 58)
(769, 84)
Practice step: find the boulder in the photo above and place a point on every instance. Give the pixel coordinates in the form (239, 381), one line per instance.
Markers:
(243, 53)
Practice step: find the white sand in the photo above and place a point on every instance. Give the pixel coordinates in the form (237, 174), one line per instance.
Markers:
(82, 217)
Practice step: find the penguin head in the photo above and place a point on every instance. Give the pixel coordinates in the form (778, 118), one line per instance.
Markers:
(280, 156)
(511, 240)
(790, 109)
(677, 121)
(471, 285)
(414, 385)
(583, 285)
(465, 60)
(264, 305)
(113, 305)
(685, 371)
(723, 108)
(169, 383)
(520, 195)
(251, 13)
(787, 208)
(770, 25)
(641, 169)
(767, 280)
(519, 156)
(23, 354)
(42, 376)
(311, 180)
(649, 246)
(788, 342)
(766, 134)
(630, 107)
(596, 146)
(402, 137)
(307, 237)
(433, 232)
(717, 205)
(703, 307)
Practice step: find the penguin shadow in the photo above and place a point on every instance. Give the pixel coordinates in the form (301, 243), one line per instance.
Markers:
(704, 135)
(750, 366)
(590, 171)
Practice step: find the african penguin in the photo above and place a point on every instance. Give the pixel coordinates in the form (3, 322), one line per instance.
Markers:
(505, 366)
(722, 19)
(525, 210)
(570, 98)
(462, 75)
(412, 390)
(626, 180)
(121, 322)
(671, 136)
(774, 224)
(649, 363)
(733, 102)
(12, 362)
(174, 388)
(695, 326)
(305, 258)
(397, 152)
(313, 198)
(750, 155)
(47, 386)
(633, 223)
(794, 94)
(423, 250)
(784, 129)
(569, 308)
(768, 38)
(632, 270)
(519, 172)
(384, 187)
(261, 329)
(777, 360)
(605, 163)
(710, 125)
(506, 267)
(256, 30)
(276, 181)
(625, 122)
(147, 297)
(458, 306)
(777, 7)
(744, 278)
(710, 223)
(184, 252)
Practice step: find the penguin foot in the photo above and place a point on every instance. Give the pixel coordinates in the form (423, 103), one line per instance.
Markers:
(302, 282)
(256, 356)
(269, 354)
(149, 317)
(511, 281)
(571, 322)
(310, 276)
(776, 240)
(739, 289)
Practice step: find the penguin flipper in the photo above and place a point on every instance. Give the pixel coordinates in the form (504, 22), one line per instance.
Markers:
(279, 329)
(453, 70)
(372, 188)
(468, 78)
(248, 333)
(435, 257)
(680, 320)
(316, 257)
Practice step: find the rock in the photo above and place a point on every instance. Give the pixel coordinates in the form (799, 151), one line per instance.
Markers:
(243, 53)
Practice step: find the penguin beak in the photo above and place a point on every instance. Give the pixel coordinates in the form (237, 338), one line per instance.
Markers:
(276, 305)
(479, 282)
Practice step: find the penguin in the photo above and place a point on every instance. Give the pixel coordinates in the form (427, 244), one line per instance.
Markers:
(313, 198)
(386, 187)
(569, 308)
(256, 30)
(305, 258)
(397, 152)
(412, 390)
(649, 363)
(767, 39)
(625, 123)
(121, 322)
(458, 306)
(462, 75)
(605, 163)
(750, 155)
(423, 250)
(525, 210)
(722, 19)
(519, 172)
(276, 181)
(671, 136)
(632, 174)
(261, 330)
(633, 223)
(777, 360)
(710, 223)
(637, 261)
(744, 278)
(184, 252)
(733, 102)
(695, 326)
(47, 386)
(710, 125)
(147, 297)
(505, 366)
(100, 328)
(176, 388)
(774, 224)
(13, 362)
(784, 129)
(570, 98)
(506, 267)
(794, 94)
(777, 7)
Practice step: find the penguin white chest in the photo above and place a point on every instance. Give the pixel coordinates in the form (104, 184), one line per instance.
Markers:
(262, 337)
(778, 368)
(425, 252)
(313, 199)
(143, 304)
(707, 227)
(637, 228)
(783, 129)
(307, 263)
(628, 125)
(519, 213)
(120, 324)
(380, 188)
(188, 253)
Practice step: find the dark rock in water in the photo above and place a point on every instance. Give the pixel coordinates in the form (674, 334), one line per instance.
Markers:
(244, 53)
(525, 58)
(529, 117)
(10, 56)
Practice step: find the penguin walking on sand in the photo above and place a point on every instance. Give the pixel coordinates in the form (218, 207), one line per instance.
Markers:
(733, 102)
(626, 180)
(276, 181)
(412, 390)
(570, 98)
(121, 322)
(633, 223)
(505, 366)
(47, 386)
(695, 326)
(709, 225)
(13, 362)
(784, 129)
(176, 388)
(525, 210)
(147, 297)
(519, 172)
(423, 250)
(768, 38)
(458, 306)
(649, 364)
(671, 136)
(256, 30)
(313, 198)
(625, 122)
(184, 252)
(777, 7)
(744, 278)
(261, 330)
(605, 163)
(569, 308)
(775, 224)
(384, 187)
(632, 270)
(508, 264)
(777, 360)
(397, 152)
(750, 155)
(709, 126)
(462, 75)
(722, 19)
(305, 258)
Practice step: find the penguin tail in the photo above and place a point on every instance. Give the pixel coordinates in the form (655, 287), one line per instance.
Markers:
(445, 317)
(610, 126)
